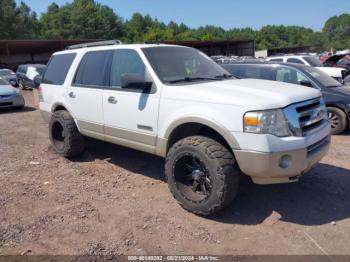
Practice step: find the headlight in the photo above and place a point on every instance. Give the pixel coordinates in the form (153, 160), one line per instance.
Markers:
(18, 91)
(266, 122)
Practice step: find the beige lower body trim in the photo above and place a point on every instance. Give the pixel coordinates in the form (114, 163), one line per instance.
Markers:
(268, 168)
(136, 140)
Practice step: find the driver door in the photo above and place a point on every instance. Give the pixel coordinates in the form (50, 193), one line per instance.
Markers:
(130, 115)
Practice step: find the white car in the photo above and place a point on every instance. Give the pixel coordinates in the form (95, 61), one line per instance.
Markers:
(336, 73)
(177, 103)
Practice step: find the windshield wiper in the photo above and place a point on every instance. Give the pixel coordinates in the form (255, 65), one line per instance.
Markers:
(225, 76)
(191, 79)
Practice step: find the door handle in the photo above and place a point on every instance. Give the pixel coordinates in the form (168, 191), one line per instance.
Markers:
(71, 94)
(112, 100)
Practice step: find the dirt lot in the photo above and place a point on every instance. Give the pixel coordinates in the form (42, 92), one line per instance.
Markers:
(113, 200)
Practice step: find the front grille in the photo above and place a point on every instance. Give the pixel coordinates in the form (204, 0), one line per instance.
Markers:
(311, 114)
(306, 117)
(5, 96)
(6, 104)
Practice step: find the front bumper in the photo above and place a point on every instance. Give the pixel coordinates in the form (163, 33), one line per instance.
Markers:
(281, 167)
(16, 100)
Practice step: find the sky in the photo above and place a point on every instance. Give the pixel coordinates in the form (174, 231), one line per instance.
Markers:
(225, 13)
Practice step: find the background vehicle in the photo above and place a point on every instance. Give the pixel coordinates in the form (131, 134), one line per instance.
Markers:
(342, 61)
(9, 96)
(336, 73)
(9, 76)
(27, 73)
(177, 103)
(336, 95)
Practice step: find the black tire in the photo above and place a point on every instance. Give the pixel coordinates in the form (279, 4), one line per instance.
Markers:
(64, 135)
(217, 170)
(18, 107)
(21, 85)
(338, 120)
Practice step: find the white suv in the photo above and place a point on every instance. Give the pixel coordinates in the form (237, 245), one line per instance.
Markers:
(336, 73)
(177, 103)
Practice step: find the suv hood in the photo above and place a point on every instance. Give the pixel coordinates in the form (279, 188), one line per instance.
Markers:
(252, 93)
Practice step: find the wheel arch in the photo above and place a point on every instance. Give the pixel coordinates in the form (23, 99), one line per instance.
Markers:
(61, 106)
(190, 126)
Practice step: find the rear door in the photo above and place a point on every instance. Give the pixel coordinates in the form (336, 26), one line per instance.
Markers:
(84, 95)
(130, 116)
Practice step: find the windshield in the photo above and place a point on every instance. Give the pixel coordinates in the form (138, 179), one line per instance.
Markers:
(312, 60)
(322, 77)
(6, 72)
(173, 64)
(3, 82)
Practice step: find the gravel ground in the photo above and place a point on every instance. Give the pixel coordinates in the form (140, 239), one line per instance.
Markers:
(114, 200)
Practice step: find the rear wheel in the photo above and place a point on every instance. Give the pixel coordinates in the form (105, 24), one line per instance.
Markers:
(338, 120)
(64, 135)
(202, 175)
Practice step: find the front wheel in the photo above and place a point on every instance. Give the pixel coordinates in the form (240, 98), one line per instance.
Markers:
(338, 120)
(202, 175)
(64, 135)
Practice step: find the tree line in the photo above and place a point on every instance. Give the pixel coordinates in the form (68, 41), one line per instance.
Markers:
(88, 19)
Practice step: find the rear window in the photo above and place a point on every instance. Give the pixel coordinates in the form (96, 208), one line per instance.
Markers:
(313, 61)
(94, 69)
(276, 60)
(294, 61)
(58, 68)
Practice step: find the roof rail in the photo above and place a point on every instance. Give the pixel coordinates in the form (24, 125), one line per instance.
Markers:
(92, 44)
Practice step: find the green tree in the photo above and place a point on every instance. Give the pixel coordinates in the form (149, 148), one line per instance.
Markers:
(7, 19)
(337, 31)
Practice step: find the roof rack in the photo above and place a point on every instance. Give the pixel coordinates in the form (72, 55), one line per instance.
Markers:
(92, 44)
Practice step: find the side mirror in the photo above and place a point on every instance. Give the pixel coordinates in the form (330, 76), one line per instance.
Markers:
(306, 83)
(136, 82)
(37, 81)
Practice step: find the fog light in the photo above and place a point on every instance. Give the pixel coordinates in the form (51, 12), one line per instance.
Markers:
(285, 161)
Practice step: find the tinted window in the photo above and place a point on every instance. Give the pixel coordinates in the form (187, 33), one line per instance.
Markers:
(176, 63)
(322, 77)
(233, 69)
(294, 61)
(93, 69)
(58, 68)
(126, 61)
(257, 72)
(6, 72)
(313, 61)
(22, 69)
(290, 75)
(276, 60)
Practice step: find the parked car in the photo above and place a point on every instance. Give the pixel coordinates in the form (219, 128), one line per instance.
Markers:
(9, 96)
(336, 73)
(27, 73)
(342, 61)
(9, 76)
(335, 94)
(177, 103)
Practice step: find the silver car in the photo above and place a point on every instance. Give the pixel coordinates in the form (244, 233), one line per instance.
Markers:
(10, 97)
